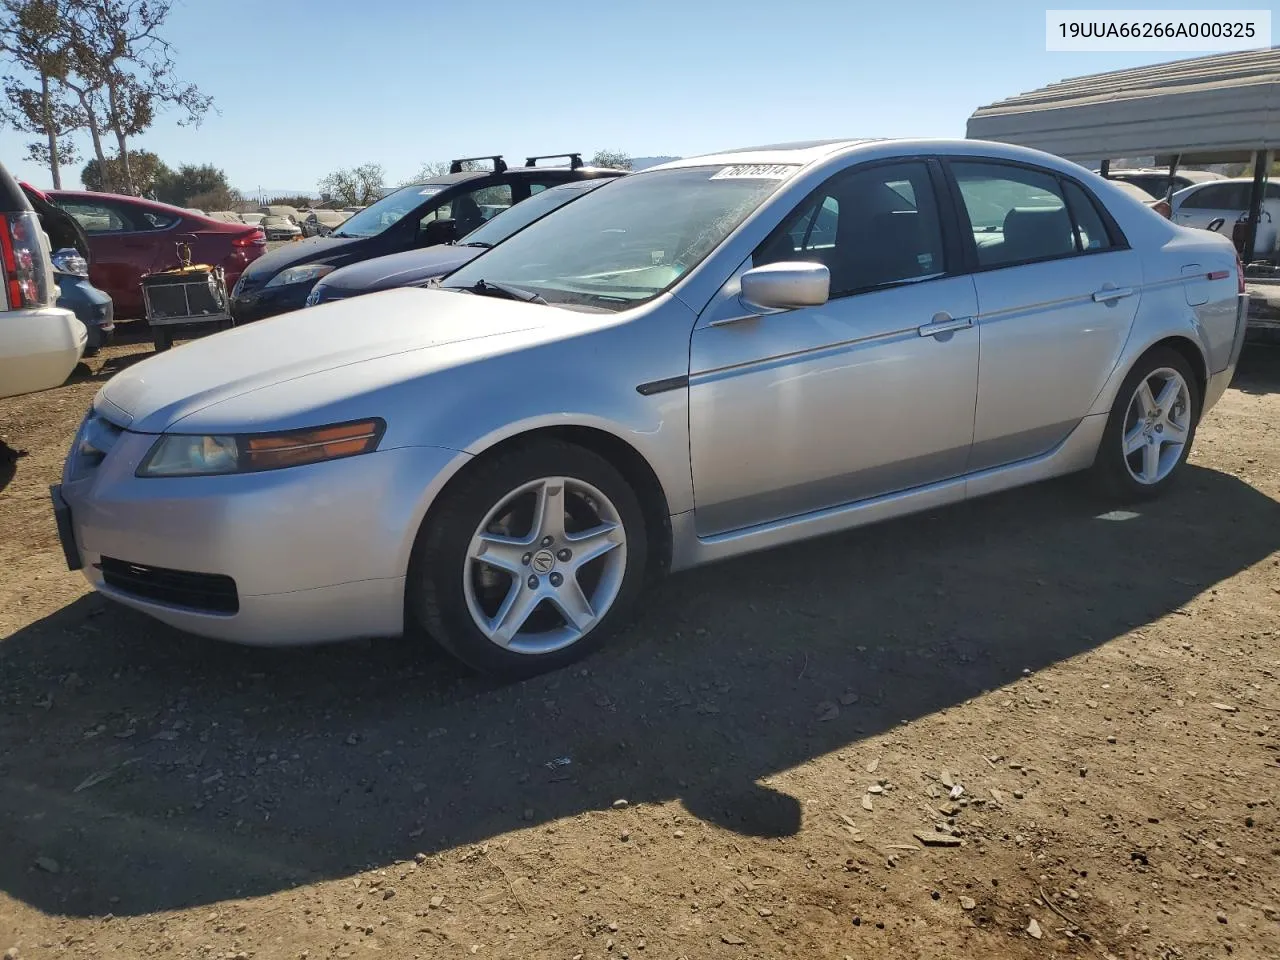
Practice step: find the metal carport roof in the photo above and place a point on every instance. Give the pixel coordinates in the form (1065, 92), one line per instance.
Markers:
(1208, 109)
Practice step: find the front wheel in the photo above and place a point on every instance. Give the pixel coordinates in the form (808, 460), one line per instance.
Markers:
(1151, 427)
(530, 561)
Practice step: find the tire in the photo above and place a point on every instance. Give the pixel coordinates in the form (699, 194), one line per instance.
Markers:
(93, 345)
(162, 338)
(1131, 477)
(450, 592)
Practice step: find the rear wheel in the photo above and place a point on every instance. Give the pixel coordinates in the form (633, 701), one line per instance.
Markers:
(1151, 427)
(531, 561)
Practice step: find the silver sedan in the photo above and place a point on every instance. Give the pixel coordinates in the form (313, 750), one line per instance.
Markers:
(714, 356)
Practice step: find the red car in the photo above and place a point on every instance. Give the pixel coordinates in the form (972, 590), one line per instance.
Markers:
(130, 237)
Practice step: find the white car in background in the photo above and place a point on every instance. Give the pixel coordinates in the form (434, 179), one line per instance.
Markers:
(280, 228)
(1201, 204)
(40, 344)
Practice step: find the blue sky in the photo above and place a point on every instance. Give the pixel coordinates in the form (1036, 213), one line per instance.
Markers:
(305, 86)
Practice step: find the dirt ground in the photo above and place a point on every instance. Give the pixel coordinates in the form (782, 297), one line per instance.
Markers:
(745, 773)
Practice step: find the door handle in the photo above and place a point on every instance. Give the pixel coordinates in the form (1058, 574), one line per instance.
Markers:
(1109, 294)
(943, 323)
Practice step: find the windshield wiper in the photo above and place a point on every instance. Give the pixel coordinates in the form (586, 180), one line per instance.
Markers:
(477, 243)
(487, 288)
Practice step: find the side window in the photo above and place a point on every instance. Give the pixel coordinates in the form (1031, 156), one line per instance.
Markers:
(1273, 191)
(816, 230)
(1156, 186)
(95, 217)
(1215, 197)
(872, 227)
(469, 210)
(1017, 215)
(153, 220)
(1090, 230)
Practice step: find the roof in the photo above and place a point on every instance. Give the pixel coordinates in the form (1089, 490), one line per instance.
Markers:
(800, 152)
(448, 179)
(125, 198)
(1206, 106)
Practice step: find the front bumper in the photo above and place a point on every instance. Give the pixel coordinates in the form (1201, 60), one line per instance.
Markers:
(268, 302)
(317, 553)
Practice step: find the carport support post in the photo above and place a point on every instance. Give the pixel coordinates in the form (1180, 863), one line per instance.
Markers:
(1173, 171)
(1104, 170)
(1261, 160)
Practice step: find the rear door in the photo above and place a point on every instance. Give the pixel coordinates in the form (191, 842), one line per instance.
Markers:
(1058, 288)
(1200, 207)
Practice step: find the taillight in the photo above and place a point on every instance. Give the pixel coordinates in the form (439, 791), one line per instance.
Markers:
(26, 274)
(254, 238)
(1239, 275)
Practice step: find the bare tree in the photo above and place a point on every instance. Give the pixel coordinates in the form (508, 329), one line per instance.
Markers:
(32, 38)
(613, 159)
(354, 186)
(438, 168)
(124, 72)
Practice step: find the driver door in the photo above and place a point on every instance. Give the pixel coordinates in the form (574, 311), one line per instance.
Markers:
(871, 393)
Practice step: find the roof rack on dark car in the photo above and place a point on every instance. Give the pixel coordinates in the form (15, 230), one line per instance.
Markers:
(575, 159)
(499, 165)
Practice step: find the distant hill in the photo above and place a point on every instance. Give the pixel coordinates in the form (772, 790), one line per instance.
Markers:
(641, 163)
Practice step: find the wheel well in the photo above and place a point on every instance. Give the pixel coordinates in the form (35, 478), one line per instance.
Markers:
(625, 459)
(1195, 360)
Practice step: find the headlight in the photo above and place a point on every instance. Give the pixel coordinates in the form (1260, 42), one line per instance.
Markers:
(183, 455)
(316, 293)
(306, 273)
(68, 260)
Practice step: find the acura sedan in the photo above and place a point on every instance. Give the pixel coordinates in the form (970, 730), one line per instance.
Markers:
(714, 356)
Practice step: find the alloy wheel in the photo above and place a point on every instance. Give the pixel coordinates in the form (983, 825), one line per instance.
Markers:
(1156, 426)
(545, 565)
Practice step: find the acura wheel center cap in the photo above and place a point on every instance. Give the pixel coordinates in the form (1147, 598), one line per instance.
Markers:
(543, 561)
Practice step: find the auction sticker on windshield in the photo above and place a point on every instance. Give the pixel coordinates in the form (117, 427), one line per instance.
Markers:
(756, 171)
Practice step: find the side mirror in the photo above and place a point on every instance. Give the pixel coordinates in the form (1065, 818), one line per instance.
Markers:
(438, 231)
(786, 286)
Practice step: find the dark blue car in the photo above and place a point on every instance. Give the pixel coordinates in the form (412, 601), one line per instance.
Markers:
(411, 218)
(414, 268)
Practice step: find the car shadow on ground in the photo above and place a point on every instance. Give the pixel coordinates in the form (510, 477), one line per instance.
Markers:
(1258, 371)
(142, 769)
(109, 367)
(9, 458)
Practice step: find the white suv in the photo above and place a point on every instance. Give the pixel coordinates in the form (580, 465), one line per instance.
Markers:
(40, 344)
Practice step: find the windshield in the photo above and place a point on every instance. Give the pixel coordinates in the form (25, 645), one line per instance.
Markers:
(617, 248)
(388, 211)
(515, 219)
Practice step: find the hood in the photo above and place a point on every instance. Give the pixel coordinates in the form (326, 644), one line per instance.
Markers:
(313, 250)
(406, 269)
(151, 396)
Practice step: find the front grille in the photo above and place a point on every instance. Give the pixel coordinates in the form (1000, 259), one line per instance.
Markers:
(206, 592)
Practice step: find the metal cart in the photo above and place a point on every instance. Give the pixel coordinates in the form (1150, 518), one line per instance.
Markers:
(183, 296)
